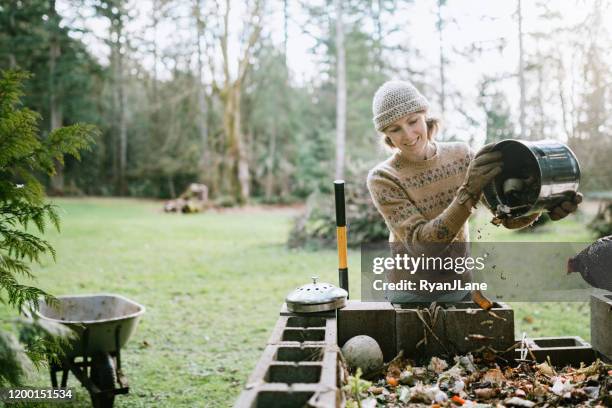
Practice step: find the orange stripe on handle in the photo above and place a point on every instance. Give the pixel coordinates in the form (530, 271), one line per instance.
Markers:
(341, 233)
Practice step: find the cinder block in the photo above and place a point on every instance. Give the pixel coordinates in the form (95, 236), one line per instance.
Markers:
(293, 396)
(290, 356)
(562, 351)
(304, 334)
(277, 331)
(305, 329)
(291, 373)
(331, 367)
(468, 327)
(295, 354)
(331, 332)
(453, 329)
(276, 383)
(258, 398)
(258, 374)
(409, 332)
(374, 319)
(299, 366)
(601, 324)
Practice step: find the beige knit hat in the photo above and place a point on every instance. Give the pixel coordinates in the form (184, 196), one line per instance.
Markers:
(396, 99)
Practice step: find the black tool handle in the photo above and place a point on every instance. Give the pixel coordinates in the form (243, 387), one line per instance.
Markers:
(341, 235)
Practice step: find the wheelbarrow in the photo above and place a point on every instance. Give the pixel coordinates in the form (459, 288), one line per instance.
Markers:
(103, 323)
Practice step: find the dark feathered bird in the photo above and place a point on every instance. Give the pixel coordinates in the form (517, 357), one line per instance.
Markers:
(595, 263)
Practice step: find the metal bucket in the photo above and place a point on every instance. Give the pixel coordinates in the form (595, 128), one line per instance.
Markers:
(536, 176)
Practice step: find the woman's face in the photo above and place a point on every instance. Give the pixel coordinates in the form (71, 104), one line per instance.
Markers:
(409, 134)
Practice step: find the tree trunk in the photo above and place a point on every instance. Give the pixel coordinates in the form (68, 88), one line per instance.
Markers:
(11, 29)
(202, 106)
(119, 99)
(541, 120)
(114, 129)
(241, 159)
(340, 93)
(442, 61)
(123, 136)
(155, 53)
(285, 29)
(236, 152)
(233, 168)
(269, 185)
(236, 163)
(55, 107)
(567, 125)
(521, 72)
(379, 33)
(171, 188)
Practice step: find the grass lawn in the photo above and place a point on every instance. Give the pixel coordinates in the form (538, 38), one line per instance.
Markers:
(212, 285)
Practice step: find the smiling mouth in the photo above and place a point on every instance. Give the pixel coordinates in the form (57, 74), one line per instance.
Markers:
(413, 143)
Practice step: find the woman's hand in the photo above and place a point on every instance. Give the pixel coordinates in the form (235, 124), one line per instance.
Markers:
(566, 207)
(482, 169)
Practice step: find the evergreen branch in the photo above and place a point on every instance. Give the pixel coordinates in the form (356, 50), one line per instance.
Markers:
(70, 140)
(23, 155)
(21, 212)
(18, 138)
(22, 244)
(11, 88)
(45, 340)
(14, 266)
(32, 191)
(53, 215)
(20, 295)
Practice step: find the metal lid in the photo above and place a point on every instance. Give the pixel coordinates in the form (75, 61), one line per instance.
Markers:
(316, 297)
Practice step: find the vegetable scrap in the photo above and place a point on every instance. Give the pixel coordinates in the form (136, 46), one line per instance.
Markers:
(476, 381)
(481, 300)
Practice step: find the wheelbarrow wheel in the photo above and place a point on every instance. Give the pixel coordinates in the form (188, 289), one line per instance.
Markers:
(103, 375)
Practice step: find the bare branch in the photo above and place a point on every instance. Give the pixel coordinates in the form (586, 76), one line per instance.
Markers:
(256, 24)
(224, 40)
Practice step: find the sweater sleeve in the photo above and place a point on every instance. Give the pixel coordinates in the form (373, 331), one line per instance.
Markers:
(405, 220)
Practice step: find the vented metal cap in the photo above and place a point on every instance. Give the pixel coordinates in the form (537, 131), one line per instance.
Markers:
(316, 297)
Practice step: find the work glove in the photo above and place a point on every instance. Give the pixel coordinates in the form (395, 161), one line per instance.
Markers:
(566, 207)
(482, 169)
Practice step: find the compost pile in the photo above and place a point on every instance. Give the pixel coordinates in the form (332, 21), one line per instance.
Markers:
(480, 381)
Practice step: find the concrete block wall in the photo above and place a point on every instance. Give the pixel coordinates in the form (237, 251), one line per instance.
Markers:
(374, 319)
(299, 366)
(601, 324)
(462, 328)
(561, 351)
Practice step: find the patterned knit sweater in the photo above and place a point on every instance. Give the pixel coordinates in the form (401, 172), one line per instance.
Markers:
(409, 194)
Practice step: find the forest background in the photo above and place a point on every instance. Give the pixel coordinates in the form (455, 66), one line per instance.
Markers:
(267, 101)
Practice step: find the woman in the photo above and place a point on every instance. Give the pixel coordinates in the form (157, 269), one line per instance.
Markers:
(427, 190)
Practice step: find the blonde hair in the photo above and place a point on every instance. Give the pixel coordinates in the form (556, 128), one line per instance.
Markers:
(433, 125)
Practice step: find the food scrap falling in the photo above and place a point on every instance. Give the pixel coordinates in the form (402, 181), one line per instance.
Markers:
(481, 300)
(480, 382)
